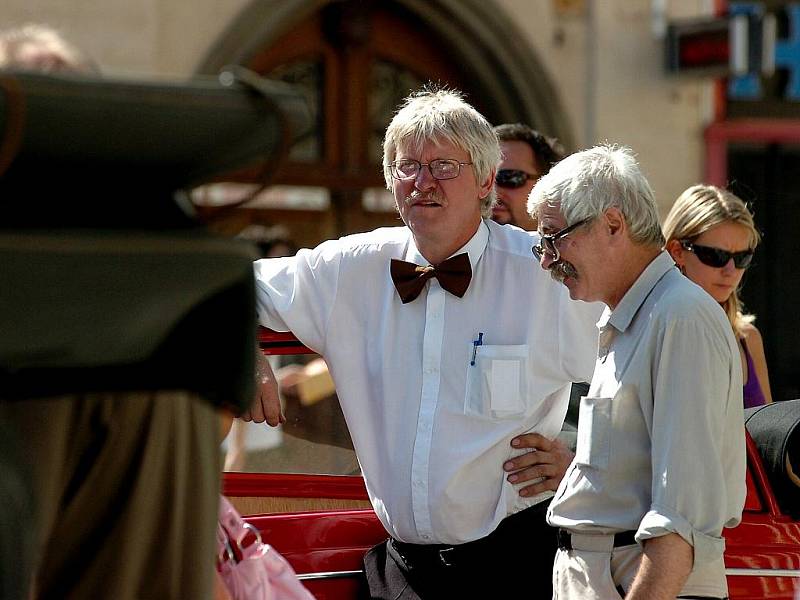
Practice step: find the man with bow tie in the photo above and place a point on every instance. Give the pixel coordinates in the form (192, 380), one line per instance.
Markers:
(446, 342)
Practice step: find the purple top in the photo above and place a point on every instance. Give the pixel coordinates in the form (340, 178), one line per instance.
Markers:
(753, 396)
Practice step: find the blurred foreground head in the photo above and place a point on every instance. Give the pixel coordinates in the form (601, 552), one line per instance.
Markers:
(41, 48)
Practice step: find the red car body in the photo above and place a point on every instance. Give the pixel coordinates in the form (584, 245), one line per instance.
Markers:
(325, 547)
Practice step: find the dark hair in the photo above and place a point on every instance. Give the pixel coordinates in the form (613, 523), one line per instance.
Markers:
(268, 238)
(547, 150)
(268, 247)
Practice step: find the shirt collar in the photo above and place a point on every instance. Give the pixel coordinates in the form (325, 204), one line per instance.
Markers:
(620, 318)
(474, 247)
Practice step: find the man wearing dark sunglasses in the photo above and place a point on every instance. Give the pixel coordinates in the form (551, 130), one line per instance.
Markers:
(659, 466)
(527, 155)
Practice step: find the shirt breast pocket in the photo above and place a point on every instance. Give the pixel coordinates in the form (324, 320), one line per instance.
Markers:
(497, 384)
(594, 440)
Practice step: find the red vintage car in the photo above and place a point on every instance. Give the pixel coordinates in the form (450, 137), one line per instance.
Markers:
(323, 524)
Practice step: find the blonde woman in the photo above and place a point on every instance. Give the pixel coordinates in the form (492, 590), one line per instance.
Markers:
(711, 236)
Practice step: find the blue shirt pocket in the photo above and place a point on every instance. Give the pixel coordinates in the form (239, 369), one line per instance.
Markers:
(594, 433)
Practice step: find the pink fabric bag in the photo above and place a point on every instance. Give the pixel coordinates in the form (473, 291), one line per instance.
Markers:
(249, 568)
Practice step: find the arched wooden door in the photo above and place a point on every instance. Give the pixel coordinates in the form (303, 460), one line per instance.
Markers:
(355, 62)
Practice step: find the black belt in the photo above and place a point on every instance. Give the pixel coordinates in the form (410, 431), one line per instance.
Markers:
(437, 556)
(624, 538)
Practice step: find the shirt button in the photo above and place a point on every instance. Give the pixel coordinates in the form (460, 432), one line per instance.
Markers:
(425, 536)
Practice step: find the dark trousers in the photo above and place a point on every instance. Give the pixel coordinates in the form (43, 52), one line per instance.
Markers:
(516, 559)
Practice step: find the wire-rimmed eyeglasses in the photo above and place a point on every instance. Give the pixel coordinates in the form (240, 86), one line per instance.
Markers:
(441, 168)
(548, 242)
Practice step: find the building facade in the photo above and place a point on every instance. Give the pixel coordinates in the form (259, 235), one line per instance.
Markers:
(585, 71)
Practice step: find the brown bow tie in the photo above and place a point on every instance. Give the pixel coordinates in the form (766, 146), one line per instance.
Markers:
(454, 275)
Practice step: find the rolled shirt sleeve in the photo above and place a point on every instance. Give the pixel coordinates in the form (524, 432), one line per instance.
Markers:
(661, 521)
(697, 468)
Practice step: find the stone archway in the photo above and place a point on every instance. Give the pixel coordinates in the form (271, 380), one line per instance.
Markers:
(475, 31)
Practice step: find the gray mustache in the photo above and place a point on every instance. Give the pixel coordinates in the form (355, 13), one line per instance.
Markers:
(416, 196)
(561, 270)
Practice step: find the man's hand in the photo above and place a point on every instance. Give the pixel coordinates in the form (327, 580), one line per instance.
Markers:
(267, 403)
(547, 462)
(288, 378)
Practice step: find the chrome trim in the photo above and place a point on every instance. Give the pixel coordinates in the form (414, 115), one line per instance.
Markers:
(328, 575)
(763, 572)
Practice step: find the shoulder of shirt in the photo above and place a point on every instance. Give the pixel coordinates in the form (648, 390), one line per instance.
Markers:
(384, 239)
(682, 299)
(512, 240)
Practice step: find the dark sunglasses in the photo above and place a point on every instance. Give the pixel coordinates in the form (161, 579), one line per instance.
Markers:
(512, 178)
(715, 257)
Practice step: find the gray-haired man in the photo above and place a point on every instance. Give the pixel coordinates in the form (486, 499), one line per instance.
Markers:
(660, 465)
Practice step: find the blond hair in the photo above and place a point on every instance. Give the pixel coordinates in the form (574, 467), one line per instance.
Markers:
(436, 114)
(697, 210)
(54, 53)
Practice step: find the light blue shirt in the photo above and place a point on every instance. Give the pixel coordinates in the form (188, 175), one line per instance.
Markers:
(661, 444)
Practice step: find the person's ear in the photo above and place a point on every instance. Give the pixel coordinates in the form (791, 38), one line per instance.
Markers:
(614, 221)
(677, 252)
(487, 185)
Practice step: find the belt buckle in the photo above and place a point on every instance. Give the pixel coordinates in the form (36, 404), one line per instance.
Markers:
(446, 556)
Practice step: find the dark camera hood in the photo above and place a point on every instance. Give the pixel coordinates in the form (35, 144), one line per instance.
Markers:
(80, 149)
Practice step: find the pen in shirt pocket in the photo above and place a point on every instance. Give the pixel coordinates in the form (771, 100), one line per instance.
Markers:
(475, 344)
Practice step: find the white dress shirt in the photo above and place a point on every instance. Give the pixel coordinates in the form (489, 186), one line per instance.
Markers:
(432, 431)
(661, 445)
